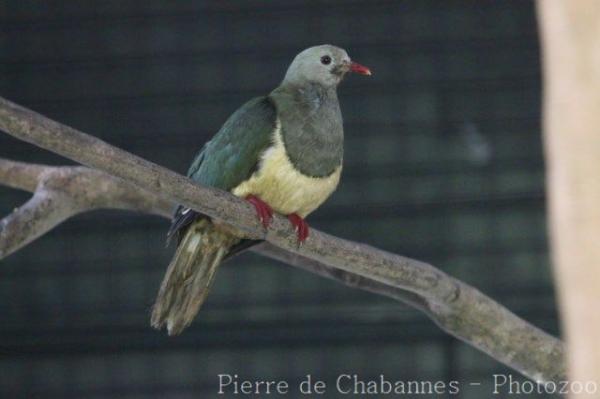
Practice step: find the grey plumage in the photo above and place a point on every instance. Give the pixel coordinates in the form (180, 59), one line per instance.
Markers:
(309, 110)
(311, 127)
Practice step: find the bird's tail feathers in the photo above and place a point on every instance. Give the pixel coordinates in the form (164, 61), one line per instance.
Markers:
(190, 275)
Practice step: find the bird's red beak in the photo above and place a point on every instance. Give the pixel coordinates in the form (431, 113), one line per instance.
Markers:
(360, 69)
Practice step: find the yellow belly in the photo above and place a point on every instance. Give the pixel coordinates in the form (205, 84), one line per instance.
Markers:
(284, 188)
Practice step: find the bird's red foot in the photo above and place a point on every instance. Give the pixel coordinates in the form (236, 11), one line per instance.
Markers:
(263, 210)
(300, 225)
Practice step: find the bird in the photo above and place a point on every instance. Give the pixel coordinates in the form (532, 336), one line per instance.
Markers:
(281, 152)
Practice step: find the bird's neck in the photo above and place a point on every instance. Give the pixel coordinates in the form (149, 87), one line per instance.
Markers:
(311, 127)
(309, 94)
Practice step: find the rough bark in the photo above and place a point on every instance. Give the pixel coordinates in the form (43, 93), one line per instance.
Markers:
(456, 307)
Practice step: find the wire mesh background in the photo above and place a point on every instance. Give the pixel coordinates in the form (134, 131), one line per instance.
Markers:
(443, 163)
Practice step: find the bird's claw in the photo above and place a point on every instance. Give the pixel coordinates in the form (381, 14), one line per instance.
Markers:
(263, 210)
(300, 227)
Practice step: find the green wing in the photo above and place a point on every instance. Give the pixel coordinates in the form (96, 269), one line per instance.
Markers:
(233, 154)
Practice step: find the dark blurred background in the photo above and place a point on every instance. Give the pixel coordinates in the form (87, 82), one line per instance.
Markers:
(443, 163)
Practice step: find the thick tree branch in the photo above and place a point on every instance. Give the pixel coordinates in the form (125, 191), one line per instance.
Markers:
(456, 307)
(41, 213)
(60, 193)
(21, 175)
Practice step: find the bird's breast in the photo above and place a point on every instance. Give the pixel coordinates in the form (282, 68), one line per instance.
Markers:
(282, 186)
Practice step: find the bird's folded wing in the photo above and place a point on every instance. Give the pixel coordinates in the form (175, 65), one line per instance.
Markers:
(232, 156)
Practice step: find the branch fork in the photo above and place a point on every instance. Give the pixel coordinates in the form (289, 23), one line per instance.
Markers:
(119, 180)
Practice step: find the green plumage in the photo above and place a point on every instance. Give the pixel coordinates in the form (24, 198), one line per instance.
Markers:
(224, 162)
(232, 155)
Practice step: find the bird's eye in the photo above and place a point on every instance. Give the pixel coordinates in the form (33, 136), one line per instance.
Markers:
(326, 60)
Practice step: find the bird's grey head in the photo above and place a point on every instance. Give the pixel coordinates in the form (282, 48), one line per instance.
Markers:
(325, 65)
